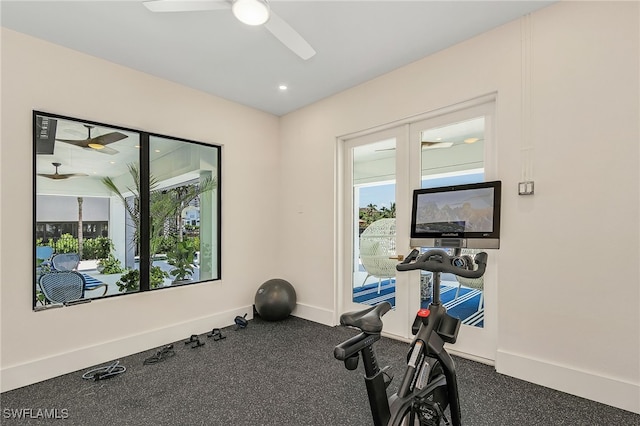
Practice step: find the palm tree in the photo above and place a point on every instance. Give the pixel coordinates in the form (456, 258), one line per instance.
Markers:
(163, 204)
(392, 210)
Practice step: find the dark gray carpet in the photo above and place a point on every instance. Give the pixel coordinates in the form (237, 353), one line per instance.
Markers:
(282, 373)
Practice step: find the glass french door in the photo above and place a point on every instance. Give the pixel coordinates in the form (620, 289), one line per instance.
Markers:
(376, 225)
(455, 148)
(379, 172)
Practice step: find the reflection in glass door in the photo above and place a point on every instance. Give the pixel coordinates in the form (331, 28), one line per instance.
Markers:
(453, 154)
(375, 167)
(380, 171)
(374, 242)
(456, 148)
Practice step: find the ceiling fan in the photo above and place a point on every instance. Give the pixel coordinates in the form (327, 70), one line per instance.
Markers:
(250, 12)
(424, 145)
(58, 176)
(435, 144)
(99, 143)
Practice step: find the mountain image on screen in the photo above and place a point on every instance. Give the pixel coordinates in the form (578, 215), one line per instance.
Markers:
(455, 212)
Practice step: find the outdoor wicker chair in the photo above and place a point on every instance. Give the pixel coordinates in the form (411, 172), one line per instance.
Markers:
(62, 286)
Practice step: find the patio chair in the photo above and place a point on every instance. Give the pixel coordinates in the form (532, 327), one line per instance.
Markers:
(65, 261)
(43, 257)
(62, 286)
(476, 283)
(377, 245)
(70, 262)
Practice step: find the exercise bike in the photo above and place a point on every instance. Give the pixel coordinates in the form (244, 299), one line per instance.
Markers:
(429, 384)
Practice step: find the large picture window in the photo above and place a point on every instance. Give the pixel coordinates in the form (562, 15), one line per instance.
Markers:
(119, 211)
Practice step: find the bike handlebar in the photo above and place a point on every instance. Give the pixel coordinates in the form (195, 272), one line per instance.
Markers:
(440, 261)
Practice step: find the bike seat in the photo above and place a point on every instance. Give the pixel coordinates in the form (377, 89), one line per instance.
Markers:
(368, 320)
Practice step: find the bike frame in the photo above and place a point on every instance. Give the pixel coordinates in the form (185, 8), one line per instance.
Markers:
(429, 343)
(438, 328)
(432, 329)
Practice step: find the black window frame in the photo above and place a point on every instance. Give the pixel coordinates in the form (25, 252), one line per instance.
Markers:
(144, 167)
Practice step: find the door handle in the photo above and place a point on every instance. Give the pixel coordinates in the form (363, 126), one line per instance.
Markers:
(399, 257)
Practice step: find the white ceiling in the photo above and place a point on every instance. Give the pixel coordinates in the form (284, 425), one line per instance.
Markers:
(211, 51)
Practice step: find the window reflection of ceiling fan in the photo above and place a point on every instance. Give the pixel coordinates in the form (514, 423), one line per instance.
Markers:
(250, 12)
(435, 144)
(424, 145)
(58, 176)
(99, 143)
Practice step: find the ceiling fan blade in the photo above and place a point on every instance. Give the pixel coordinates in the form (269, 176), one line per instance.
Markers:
(289, 37)
(103, 150)
(109, 138)
(78, 142)
(185, 5)
(60, 176)
(434, 145)
(98, 140)
(50, 175)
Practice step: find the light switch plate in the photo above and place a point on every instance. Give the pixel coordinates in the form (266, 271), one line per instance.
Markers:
(525, 188)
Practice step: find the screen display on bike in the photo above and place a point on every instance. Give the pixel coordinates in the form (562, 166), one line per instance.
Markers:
(457, 216)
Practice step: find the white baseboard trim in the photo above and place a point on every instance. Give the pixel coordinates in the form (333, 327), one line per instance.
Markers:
(472, 357)
(314, 313)
(34, 371)
(607, 390)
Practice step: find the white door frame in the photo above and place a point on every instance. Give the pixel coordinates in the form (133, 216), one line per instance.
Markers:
(395, 321)
(473, 342)
(479, 343)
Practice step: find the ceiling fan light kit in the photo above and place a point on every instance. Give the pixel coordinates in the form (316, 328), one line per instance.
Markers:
(98, 143)
(251, 12)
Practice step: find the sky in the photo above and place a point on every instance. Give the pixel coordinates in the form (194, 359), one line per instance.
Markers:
(384, 195)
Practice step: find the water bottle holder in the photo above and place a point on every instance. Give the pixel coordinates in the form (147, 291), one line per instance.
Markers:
(449, 327)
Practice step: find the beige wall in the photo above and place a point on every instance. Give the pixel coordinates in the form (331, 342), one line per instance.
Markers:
(568, 276)
(563, 261)
(42, 76)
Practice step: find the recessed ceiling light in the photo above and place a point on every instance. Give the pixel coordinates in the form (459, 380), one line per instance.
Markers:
(283, 87)
(157, 150)
(471, 140)
(112, 162)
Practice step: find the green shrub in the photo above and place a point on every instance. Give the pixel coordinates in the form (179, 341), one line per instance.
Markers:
(181, 257)
(110, 265)
(157, 276)
(130, 280)
(66, 244)
(166, 243)
(96, 248)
